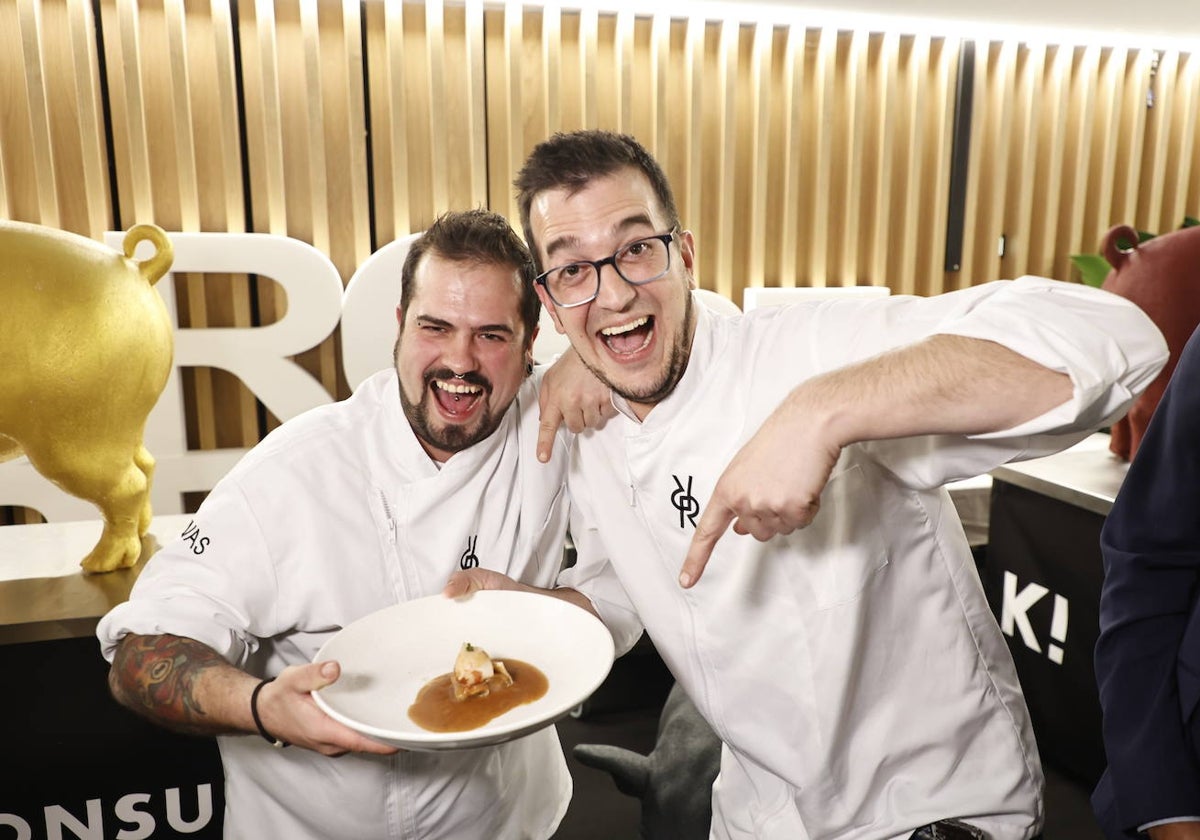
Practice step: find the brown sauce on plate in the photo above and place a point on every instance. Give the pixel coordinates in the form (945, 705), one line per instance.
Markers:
(436, 709)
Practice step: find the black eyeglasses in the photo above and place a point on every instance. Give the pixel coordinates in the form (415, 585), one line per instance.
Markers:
(637, 263)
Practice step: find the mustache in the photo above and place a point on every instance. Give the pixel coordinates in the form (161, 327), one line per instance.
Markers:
(470, 378)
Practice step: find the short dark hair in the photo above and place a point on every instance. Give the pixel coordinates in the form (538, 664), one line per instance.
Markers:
(479, 236)
(574, 159)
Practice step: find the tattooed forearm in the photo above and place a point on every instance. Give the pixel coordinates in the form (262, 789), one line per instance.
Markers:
(157, 676)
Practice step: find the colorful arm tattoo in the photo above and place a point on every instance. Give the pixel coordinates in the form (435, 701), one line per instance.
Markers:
(157, 677)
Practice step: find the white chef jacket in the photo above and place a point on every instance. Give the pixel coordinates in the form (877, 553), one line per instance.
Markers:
(853, 668)
(336, 514)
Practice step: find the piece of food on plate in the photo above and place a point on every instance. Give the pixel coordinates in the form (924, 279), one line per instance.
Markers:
(478, 690)
(476, 673)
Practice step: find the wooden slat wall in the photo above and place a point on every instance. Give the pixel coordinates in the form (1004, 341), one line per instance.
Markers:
(1065, 145)
(799, 156)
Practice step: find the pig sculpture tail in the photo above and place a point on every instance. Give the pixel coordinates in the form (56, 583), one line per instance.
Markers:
(164, 252)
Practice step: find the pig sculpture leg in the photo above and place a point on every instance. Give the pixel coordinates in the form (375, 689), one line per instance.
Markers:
(115, 483)
(145, 462)
(85, 351)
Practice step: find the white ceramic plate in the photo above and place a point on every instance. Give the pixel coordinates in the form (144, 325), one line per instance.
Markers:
(387, 656)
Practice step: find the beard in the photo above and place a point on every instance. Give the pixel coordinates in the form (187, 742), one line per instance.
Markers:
(449, 437)
(676, 364)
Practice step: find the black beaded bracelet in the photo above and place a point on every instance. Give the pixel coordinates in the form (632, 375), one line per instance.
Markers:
(262, 730)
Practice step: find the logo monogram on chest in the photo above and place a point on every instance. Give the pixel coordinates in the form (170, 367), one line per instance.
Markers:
(469, 559)
(684, 502)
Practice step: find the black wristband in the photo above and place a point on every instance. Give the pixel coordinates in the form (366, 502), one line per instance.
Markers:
(262, 730)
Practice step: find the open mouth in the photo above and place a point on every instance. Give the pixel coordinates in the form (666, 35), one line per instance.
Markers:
(627, 339)
(456, 398)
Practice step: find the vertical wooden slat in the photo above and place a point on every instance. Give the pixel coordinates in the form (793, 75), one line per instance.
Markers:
(938, 144)
(726, 158)
(263, 100)
(693, 98)
(139, 203)
(513, 49)
(314, 109)
(972, 211)
(1131, 128)
(35, 94)
(899, 181)
(759, 162)
(658, 87)
(13, 129)
(185, 149)
(882, 269)
(475, 115)
(1171, 113)
(552, 66)
(589, 37)
(793, 89)
(229, 172)
(624, 88)
(1079, 157)
(1108, 114)
(85, 71)
(851, 193)
(435, 38)
(356, 234)
(474, 122)
(824, 106)
(1156, 149)
(994, 162)
(908, 173)
(1020, 185)
(1189, 142)
(1186, 147)
(394, 126)
(1051, 163)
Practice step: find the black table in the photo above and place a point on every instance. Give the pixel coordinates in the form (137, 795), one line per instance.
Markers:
(76, 764)
(1043, 575)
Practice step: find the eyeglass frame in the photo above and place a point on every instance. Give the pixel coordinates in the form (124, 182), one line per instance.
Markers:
(666, 239)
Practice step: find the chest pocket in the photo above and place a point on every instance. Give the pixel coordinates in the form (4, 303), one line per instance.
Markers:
(843, 548)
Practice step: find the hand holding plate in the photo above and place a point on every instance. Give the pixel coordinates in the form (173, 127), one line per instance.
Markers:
(288, 711)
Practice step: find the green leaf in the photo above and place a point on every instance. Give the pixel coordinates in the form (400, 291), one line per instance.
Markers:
(1093, 268)
(1189, 221)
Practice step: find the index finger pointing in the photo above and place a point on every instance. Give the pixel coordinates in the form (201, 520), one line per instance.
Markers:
(713, 524)
(551, 419)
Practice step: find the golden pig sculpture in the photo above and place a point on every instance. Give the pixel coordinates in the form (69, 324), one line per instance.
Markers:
(85, 350)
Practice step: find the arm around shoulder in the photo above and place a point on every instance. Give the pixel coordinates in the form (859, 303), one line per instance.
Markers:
(1109, 347)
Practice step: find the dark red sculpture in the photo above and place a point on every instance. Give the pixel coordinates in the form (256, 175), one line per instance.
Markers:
(1162, 276)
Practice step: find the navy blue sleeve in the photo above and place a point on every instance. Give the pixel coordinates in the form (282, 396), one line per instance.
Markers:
(1148, 653)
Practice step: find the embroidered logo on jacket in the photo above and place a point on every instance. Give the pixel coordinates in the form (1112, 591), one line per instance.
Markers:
(468, 559)
(191, 535)
(685, 502)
